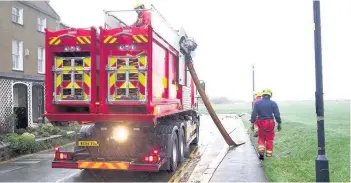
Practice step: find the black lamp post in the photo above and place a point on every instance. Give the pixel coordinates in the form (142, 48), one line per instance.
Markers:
(322, 166)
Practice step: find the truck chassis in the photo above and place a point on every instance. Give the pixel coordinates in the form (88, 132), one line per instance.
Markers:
(150, 147)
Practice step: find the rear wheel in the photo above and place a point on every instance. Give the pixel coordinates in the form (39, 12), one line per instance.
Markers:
(183, 147)
(174, 153)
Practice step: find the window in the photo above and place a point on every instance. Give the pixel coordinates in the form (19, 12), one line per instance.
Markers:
(41, 24)
(41, 60)
(17, 15)
(17, 55)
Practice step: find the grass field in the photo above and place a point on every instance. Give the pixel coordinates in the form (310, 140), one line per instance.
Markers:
(295, 147)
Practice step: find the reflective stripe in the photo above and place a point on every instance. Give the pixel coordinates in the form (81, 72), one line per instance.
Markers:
(104, 165)
(260, 148)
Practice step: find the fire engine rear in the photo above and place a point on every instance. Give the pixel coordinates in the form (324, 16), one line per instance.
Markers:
(130, 88)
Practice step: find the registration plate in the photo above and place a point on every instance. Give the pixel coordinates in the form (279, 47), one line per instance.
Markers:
(88, 143)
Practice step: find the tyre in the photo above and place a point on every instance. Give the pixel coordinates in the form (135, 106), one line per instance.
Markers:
(174, 153)
(184, 150)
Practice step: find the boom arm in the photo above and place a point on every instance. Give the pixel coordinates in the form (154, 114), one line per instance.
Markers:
(187, 47)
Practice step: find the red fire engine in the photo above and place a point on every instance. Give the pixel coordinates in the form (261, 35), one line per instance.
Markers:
(130, 89)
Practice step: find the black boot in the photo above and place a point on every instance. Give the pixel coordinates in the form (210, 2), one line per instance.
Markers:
(261, 155)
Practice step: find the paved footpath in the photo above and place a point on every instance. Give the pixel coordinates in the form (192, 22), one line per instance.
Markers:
(240, 164)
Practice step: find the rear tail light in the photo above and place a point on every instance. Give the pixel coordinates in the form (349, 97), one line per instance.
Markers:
(56, 149)
(153, 158)
(63, 156)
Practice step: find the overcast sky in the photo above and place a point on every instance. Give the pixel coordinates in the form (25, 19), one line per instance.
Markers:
(276, 35)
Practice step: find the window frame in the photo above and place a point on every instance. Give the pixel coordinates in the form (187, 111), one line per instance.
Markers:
(41, 60)
(17, 64)
(41, 24)
(18, 17)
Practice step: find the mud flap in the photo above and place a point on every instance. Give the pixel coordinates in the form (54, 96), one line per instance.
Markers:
(168, 151)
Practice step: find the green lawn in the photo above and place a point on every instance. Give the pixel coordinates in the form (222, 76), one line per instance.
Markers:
(295, 147)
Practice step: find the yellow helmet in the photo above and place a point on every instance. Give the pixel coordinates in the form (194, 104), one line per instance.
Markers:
(258, 94)
(267, 92)
(137, 4)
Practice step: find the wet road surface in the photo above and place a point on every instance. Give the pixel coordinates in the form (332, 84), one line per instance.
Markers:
(37, 167)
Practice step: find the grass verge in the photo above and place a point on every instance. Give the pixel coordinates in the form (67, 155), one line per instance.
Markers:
(295, 147)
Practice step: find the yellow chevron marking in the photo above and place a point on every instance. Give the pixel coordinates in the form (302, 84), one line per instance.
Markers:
(58, 42)
(142, 60)
(70, 85)
(59, 62)
(112, 79)
(136, 39)
(97, 165)
(143, 38)
(86, 39)
(113, 61)
(87, 61)
(122, 166)
(87, 80)
(110, 165)
(83, 164)
(53, 40)
(113, 40)
(80, 40)
(130, 85)
(58, 80)
(107, 39)
(142, 79)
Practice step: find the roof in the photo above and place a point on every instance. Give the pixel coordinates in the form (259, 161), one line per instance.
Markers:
(43, 7)
(48, 3)
(64, 25)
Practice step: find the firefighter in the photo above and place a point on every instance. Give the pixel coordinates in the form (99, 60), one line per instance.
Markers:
(265, 110)
(255, 127)
(144, 17)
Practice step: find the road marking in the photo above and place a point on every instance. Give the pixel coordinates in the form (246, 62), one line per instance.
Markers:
(25, 162)
(14, 159)
(9, 169)
(68, 177)
(184, 165)
(182, 173)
